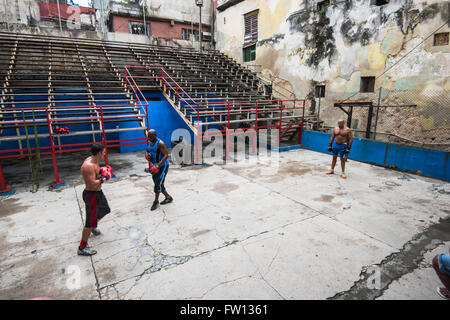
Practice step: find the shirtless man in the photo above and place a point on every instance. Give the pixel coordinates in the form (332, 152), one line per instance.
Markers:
(340, 144)
(96, 204)
(158, 154)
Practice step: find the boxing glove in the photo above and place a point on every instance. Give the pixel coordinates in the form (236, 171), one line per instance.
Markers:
(106, 172)
(110, 171)
(154, 169)
(330, 148)
(347, 151)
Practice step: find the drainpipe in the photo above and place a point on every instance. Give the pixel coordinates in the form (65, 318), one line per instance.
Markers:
(59, 17)
(200, 29)
(145, 26)
(6, 15)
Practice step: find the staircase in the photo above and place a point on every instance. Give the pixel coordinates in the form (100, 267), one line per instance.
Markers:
(80, 82)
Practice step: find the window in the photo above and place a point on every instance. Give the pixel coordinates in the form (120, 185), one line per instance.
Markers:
(367, 84)
(320, 91)
(249, 53)
(322, 7)
(138, 28)
(251, 28)
(186, 34)
(441, 39)
(379, 2)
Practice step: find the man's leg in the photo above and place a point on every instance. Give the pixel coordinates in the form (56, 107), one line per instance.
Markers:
(445, 279)
(333, 164)
(83, 249)
(168, 198)
(90, 200)
(343, 168)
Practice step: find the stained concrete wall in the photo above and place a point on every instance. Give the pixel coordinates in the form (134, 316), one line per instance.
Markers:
(300, 47)
(24, 16)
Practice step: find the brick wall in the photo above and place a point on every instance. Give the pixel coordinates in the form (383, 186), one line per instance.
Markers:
(159, 29)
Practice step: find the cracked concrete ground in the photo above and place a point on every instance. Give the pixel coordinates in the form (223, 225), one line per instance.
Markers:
(251, 229)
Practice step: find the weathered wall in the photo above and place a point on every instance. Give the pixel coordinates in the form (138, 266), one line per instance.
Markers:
(26, 16)
(348, 40)
(179, 10)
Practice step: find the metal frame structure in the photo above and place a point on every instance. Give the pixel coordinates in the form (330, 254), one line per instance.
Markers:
(56, 76)
(221, 111)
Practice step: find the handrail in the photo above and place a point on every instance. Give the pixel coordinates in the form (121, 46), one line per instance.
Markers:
(164, 81)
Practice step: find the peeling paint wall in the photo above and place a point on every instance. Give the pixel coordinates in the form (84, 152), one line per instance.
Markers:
(306, 44)
(25, 16)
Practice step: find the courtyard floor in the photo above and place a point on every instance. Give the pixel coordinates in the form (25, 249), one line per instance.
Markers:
(258, 228)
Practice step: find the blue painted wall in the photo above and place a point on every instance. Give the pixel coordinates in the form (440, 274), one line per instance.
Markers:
(432, 163)
(162, 117)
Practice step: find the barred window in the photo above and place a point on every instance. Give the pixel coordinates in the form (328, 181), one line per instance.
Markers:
(251, 28)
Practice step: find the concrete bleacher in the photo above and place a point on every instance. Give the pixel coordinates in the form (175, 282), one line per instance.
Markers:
(83, 78)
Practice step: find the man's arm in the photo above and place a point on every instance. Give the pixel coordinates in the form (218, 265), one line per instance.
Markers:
(350, 139)
(165, 152)
(331, 140)
(90, 176)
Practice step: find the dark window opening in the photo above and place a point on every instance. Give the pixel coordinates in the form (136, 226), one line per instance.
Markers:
(138, 28)
(249, 53)
(367, 84)
(379, 2)
(322, 7)
(320, 91)
(441, 39)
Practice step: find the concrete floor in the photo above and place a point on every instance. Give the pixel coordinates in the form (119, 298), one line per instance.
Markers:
(253, 229)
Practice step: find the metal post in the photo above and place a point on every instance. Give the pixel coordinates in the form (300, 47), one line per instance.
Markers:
(57, 182)
(376, 118)
(145, 26)
(349, 116)
(4, 190)
(300, 133)
(369, 121)
(6, 15)
(104, 135)
(59, 17)
(318, 109)
(200, 30)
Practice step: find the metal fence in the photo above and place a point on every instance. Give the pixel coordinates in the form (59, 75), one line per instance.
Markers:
(410, 117)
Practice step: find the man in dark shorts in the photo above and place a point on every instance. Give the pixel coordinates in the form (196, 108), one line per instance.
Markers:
(158, 155)
(96, 204)
(340, 144)
(441, 264)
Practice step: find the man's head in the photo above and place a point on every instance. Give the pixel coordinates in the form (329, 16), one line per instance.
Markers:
(152, 135)
(98, 150)
(341, 123)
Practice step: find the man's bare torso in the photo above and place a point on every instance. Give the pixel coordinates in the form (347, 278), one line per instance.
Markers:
(342, 135)
(89, 171)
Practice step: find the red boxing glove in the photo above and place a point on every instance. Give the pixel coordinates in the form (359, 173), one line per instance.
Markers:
(106, 172)
(110, 171)
(154, 170)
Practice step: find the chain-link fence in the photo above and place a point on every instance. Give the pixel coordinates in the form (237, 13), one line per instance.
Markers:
(410, 117)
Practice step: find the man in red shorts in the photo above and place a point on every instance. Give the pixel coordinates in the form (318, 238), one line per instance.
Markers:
(96, 204)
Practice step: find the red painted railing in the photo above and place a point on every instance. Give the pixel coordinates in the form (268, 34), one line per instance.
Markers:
(53, 148)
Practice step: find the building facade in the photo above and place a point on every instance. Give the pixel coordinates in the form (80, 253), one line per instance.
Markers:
(349, 50)
(166, 22)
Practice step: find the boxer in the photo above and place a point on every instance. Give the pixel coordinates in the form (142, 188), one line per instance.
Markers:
(96, 204)
(340, 143)
(157, 151)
